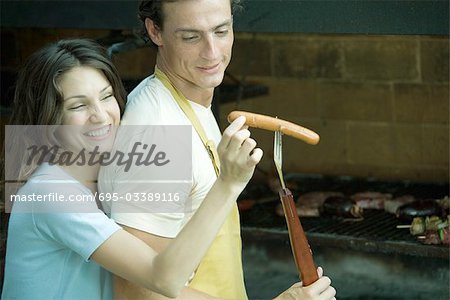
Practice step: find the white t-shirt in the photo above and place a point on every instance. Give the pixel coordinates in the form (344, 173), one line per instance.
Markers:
(47, 255)
(150, 103)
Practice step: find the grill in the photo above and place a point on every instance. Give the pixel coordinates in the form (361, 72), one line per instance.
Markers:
(366, 259)
(376, 232)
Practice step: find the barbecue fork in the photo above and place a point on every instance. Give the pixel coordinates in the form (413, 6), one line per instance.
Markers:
(299, 244)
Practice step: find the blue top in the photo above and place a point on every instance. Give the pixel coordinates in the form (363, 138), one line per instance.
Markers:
(48, 252)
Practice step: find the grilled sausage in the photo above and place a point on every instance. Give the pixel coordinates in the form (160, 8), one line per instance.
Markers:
(341, 207)
(274, 124)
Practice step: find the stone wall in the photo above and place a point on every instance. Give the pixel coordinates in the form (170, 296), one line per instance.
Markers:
(379, 103)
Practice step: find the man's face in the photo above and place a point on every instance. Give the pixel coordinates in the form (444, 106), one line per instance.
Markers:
(197, 39)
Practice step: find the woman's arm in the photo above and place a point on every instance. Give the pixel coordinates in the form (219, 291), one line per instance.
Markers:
(166, 273)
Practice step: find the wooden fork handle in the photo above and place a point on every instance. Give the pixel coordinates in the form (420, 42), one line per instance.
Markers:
(299, 244)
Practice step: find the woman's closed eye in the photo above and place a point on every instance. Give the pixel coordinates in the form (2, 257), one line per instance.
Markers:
(77, 107)
(107, 97)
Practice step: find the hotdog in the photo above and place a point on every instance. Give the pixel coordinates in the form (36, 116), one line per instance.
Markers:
(275, 124)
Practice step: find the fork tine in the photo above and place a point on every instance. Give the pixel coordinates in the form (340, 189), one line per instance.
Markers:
(275, 147)
(278, 156)
(280, 147)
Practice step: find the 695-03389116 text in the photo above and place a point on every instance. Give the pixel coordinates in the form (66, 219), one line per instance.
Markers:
(103, 197)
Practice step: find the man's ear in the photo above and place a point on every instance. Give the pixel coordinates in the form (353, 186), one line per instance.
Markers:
(153, 31)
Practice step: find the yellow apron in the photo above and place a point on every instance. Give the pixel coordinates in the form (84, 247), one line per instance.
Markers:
(220, 271)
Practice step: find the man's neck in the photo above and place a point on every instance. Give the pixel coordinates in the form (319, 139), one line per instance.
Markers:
(191, 92)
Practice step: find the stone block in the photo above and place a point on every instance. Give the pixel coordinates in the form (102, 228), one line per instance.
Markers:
(408, 145)
(333, 145)
(421, 103)
(436, 145)
(434, 59)
(308, 58)
(355, 101)
(287, 99)
(371, 144)
(382, 59)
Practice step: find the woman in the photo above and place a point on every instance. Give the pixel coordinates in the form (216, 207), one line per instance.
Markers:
(60, 255)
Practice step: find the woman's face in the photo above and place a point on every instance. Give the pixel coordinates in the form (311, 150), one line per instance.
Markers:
(90, 109)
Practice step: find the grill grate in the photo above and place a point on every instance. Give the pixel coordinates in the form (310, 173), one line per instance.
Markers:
(375, 232)
(375, 225)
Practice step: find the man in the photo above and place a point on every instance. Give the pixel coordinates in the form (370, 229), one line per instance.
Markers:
(194, 40)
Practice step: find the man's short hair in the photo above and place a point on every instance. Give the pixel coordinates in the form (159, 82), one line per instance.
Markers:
(152, 9)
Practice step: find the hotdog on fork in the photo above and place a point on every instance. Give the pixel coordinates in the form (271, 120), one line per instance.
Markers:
(299, 243)
(275, 124)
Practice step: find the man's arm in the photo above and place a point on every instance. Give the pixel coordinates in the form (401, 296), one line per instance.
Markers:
(125, 290)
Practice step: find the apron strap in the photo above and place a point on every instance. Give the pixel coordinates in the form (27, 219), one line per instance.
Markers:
(190, 114)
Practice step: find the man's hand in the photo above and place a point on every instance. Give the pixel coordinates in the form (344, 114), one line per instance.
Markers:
(319, 290)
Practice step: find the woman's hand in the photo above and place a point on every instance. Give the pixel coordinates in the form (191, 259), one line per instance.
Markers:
(237, 153)
(319, 290)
